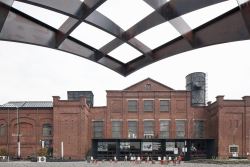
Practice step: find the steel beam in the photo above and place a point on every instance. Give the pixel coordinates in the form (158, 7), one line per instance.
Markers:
(5, 6)
(211, 33)
(86, 8)
(19, 27)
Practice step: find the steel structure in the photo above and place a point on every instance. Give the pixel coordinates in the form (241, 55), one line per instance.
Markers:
(233, 25)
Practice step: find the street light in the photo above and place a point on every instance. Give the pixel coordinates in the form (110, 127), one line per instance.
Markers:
(18, 133)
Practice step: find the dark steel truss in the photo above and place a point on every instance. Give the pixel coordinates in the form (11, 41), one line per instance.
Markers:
(16, 26)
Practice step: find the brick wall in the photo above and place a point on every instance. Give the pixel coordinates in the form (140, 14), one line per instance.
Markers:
(31, 122)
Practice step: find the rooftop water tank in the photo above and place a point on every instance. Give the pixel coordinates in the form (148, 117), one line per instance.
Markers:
(196, 83)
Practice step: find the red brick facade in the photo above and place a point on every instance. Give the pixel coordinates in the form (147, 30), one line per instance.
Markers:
(225, 121)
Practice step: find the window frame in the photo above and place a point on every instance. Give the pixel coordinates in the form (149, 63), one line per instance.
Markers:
(184, 129)
(136, 129)
(47, 125)
(168, 105)
(134, 108)
(94, 132)
(145, 109)
(197, 131)
(152, 128)
(167, 131)
(118, 132)
(3, 130)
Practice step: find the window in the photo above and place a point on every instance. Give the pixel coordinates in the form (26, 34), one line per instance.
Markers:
(97, 129)
(132, 129)
(47, 130)
(180, 128)
(164, 129)
(148, 105)
(148, 129)
(164, 105)
(233, 148)
(132, 105)
(199, 129)
(116, 129)
(2, 130)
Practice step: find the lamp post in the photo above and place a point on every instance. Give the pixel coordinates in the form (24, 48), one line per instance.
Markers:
(18, 133)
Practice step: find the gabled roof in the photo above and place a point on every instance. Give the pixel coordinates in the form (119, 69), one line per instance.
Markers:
(28, 104)
(154, 86)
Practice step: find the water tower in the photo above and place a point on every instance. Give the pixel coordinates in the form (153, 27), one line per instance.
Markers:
(196, 83)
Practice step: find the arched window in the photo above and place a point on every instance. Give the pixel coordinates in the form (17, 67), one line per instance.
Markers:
(47, 130)
(2, 129)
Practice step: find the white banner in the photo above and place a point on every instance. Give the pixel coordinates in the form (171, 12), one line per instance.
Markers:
(147, 146)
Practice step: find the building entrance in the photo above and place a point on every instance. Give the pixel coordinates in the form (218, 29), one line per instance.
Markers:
(107, 149)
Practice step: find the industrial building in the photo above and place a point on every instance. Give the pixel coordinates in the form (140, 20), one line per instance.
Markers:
(147, 119)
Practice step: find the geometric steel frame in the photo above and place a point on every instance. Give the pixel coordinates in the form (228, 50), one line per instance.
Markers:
(20, 27)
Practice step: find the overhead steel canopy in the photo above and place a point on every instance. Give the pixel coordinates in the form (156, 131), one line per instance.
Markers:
(124, 35)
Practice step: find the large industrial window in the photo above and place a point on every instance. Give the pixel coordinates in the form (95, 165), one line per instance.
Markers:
(132, 105)
(97, 129)
(164, 105)
(148, 105)
(148, 129)
(116, 129)
(199, 129)
(132, 129)
(47, 130)
(164, 129)
(2, 130)
(180, 128)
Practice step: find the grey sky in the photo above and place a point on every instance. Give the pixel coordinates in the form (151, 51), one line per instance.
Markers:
(35, 73)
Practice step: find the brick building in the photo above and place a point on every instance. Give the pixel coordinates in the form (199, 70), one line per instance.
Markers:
(146, 119)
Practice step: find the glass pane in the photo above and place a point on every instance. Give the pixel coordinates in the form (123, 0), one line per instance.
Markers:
(148, 105)
(199, 129)
(132, 129)
(125, 13)
(180, 128)
(97, 129)
(164, 129)
(49, 17)
(148, 128)
(164, 105)
(91, 35)
(158, 35)
(132, 105)
(116, 129)
(194, 20)
(125, 53)
(135, 146)
(47, 130)
(2, 130)
(240, 2)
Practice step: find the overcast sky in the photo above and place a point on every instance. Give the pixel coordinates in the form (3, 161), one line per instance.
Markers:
(35, 73)
(30, 72)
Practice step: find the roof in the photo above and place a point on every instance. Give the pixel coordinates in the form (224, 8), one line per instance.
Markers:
(104, 32)
(80, 92)
(149, 80)
(28, 104)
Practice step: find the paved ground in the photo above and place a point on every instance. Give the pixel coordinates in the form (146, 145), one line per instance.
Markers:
(107, 164)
